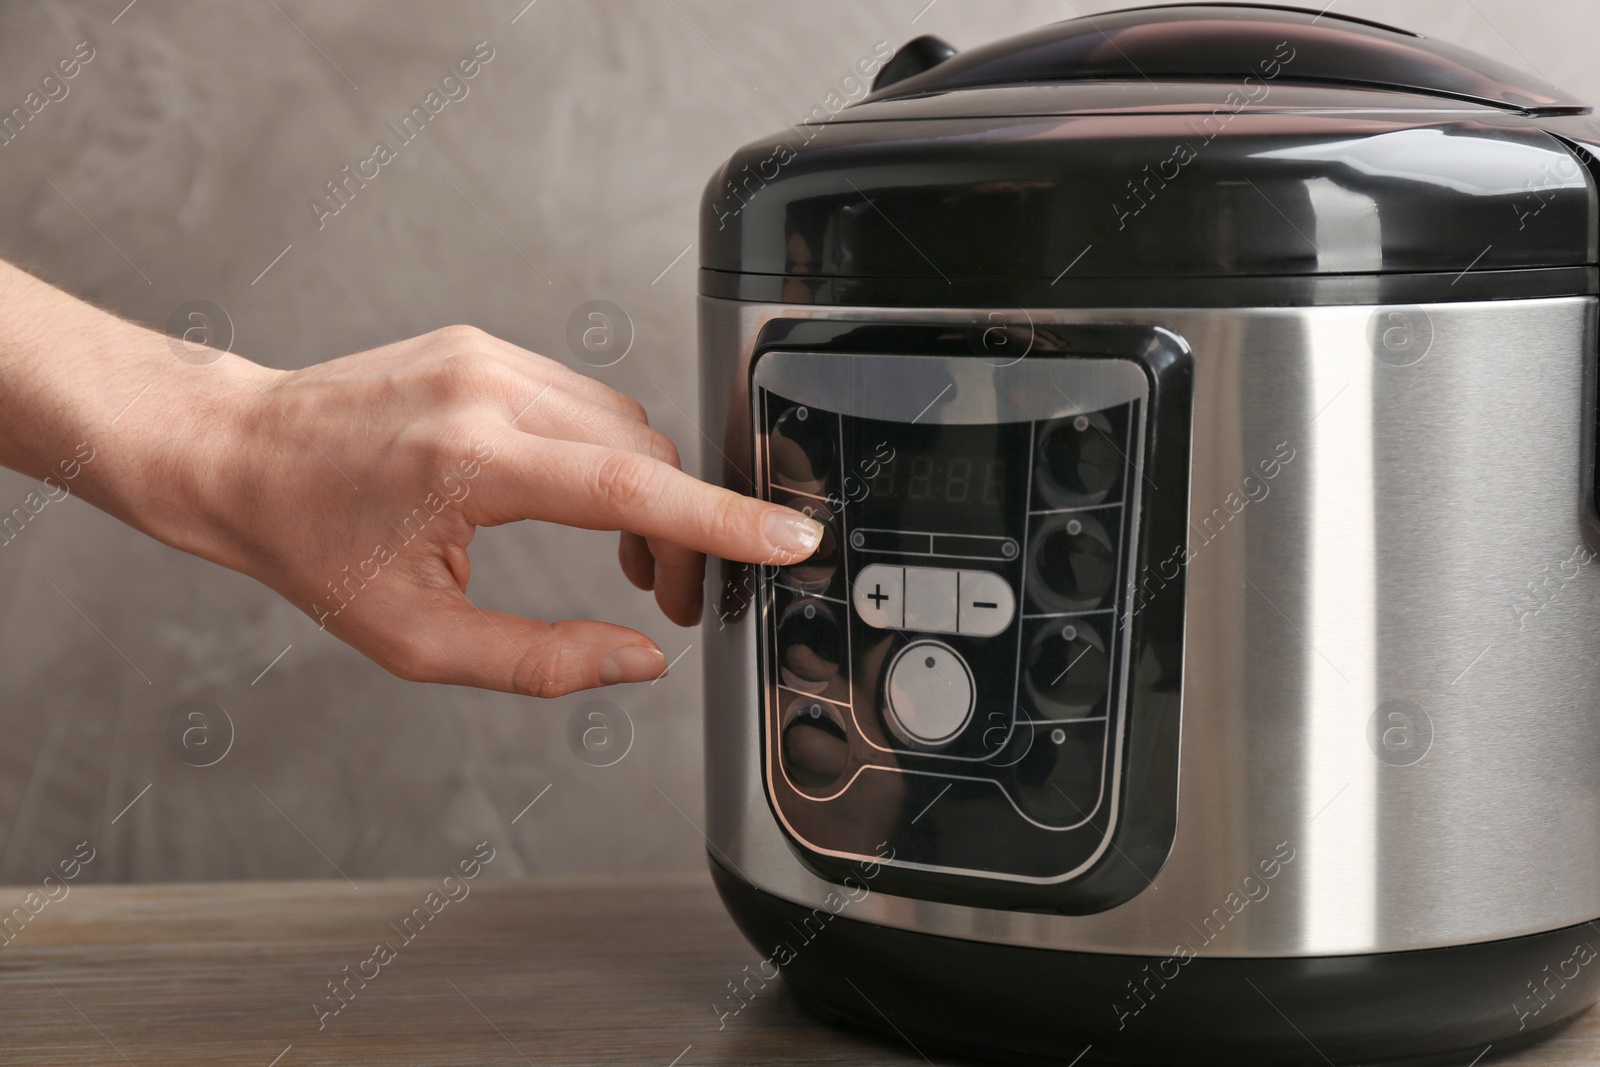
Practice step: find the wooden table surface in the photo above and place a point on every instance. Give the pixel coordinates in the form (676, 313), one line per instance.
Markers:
(519, 972)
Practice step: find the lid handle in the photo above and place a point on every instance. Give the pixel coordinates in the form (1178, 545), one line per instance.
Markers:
(914, 57)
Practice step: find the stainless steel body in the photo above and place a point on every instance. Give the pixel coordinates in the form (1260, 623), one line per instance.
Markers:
(1389, 668)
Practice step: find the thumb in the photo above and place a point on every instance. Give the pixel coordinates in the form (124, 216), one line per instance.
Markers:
(461, 644)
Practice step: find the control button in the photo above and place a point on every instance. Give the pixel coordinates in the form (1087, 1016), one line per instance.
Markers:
(1074, 562)
(1079, 461)
(987, 603)
(810, 646)
(815, 573)
(878, 596)
(931, 600)
(816, 746)
(1067, 670)
(803, 445)
(1059, 781)
(930, 693)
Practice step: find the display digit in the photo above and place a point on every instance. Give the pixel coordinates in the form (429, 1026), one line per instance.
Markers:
(883, 484)
(957, 485)
(920, 487)
(994, 482)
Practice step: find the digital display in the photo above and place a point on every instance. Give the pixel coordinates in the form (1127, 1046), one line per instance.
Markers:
(921, 476)
(947, 479)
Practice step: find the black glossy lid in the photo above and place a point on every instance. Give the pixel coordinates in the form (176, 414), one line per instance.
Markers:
(1228, 42)
(1198, 141)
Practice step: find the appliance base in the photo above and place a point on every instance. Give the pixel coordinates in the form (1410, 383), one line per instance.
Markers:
(1025, 1005)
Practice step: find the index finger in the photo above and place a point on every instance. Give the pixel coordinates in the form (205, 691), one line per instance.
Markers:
(600, 488)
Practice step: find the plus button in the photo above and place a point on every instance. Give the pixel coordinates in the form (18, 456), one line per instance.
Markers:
(877, 594)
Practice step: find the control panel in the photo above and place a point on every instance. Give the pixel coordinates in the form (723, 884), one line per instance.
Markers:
(949, 673)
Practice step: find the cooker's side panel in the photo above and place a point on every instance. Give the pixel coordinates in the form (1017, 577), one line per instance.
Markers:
(736, 812)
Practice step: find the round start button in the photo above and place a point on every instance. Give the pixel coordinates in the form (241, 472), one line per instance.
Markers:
(930, 694)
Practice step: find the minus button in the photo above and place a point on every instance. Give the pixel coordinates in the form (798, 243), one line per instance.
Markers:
(985, 602)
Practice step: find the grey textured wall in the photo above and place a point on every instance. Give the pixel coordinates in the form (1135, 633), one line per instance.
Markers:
(180, 166)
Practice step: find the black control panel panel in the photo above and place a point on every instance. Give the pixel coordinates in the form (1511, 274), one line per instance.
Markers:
(949, 673)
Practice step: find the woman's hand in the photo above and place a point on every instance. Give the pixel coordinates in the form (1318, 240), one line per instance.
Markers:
(354, 487)
(357, 486)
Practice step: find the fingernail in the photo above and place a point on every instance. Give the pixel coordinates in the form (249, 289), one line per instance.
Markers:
(632, 663)
(790, 532)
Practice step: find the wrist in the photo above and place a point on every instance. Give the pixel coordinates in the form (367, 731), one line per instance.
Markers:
(143, 429)
(182, 447)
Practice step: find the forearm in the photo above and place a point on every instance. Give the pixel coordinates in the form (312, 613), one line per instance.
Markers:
(96, 406)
